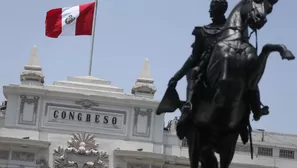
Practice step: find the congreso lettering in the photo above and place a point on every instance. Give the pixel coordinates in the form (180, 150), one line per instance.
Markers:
(84, 117)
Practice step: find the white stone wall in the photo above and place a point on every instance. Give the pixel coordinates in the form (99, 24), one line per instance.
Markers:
(140, 128)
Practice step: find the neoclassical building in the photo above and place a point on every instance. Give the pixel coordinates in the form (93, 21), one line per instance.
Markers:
(85, 122)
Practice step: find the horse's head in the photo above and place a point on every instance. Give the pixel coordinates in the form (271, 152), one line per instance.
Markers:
(257, 11)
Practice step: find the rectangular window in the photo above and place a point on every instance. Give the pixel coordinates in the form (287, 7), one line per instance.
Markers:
(184, 143)
(287, 154)
(23, 156)
(4, 155)
(264, 151)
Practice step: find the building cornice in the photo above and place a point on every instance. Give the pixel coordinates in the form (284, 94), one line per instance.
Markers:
(52, 91)
(24, 142)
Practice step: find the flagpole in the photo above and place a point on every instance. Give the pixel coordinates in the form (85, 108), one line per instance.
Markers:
(93, 38)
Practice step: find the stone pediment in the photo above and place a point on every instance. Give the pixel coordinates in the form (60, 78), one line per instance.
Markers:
(81, 152)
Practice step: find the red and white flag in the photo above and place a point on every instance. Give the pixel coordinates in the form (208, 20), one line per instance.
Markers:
(70, 21)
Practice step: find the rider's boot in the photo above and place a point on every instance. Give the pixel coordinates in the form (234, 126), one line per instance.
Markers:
(258, 111)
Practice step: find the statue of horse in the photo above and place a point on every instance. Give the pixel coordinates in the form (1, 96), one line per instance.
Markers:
(220, 112)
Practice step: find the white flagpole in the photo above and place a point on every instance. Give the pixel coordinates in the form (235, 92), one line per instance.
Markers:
(93, 37)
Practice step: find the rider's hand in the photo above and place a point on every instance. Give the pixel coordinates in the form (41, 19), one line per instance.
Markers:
(172, 82)
(187, 107)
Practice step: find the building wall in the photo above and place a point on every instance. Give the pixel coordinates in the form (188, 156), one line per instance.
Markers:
(265, 154)
(30, 113)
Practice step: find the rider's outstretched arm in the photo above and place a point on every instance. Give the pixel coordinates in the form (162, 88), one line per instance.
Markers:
(195, 56)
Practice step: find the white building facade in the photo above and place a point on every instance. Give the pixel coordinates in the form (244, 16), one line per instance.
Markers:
(87, 122)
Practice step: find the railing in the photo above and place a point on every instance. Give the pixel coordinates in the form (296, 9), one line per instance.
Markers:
(261, 150)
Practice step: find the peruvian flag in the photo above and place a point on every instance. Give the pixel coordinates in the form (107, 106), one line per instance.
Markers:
(70, 21)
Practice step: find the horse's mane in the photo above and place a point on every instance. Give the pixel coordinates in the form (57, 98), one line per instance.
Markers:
(239, 3)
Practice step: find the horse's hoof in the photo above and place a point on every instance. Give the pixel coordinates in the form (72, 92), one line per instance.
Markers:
(265, 110)
(288, 55)
(256, 119)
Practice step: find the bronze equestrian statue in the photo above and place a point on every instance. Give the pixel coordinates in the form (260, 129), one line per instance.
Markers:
(226, 75)
(202, 48)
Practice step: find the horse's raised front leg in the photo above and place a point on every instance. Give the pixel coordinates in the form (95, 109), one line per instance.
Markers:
(258, 66)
